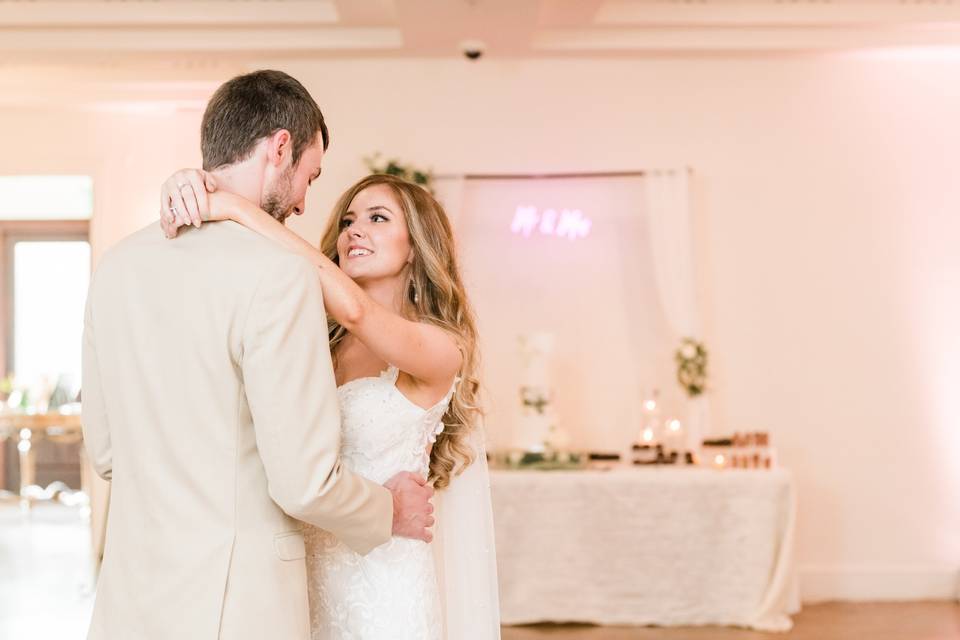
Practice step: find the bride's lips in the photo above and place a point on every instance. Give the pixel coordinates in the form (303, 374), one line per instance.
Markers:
(356, 251)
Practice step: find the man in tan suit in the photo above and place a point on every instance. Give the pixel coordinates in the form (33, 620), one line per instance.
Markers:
(209, 401)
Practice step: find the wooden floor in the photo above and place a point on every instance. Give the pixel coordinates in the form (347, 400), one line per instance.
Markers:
(834, 621)
(46, 593)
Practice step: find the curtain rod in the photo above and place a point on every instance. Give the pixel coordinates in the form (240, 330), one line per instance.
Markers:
(550, 176)
(539, 176)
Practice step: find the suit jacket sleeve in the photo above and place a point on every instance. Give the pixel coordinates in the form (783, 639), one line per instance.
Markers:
(96, 429)
(291, 390)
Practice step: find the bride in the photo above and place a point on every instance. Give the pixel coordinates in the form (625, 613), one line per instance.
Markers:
(404, 348)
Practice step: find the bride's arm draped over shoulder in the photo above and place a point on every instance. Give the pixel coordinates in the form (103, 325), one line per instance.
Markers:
(426, 352)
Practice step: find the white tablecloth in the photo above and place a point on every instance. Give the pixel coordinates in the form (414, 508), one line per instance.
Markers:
(650, 546)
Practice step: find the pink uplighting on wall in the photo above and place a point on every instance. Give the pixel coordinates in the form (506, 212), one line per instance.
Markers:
(565, 223)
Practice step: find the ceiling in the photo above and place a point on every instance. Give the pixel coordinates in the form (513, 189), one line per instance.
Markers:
(45, 30)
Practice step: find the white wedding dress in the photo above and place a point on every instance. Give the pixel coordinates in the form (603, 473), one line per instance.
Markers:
(395, 591)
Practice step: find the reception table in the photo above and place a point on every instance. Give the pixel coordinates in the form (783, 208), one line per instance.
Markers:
(646, 546)
(26, 429)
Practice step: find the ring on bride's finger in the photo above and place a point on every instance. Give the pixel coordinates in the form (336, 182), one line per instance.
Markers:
(173, 210)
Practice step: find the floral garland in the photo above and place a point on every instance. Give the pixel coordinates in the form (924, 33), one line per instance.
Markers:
(394, 168)
(691, 360)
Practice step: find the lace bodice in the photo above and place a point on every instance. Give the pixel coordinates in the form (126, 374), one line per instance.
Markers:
(391, 593)
(383, 431)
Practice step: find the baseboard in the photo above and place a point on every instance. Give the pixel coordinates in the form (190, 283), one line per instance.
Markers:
(877, 584)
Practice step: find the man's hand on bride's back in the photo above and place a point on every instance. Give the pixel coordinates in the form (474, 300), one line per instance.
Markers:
(184, 200)
(412, 511)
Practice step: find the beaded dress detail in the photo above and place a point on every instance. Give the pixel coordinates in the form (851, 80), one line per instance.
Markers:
(391, 593)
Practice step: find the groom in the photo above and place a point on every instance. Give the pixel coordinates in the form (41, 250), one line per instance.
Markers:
(209, 400)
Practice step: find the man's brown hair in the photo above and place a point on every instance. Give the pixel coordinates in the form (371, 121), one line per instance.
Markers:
(254, 106)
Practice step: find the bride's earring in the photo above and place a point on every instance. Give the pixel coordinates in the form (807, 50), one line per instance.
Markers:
(413, 292)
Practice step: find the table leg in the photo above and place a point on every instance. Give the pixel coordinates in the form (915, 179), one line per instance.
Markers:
(28, 466)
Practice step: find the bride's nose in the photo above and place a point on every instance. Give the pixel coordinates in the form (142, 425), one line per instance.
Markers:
(355, 231)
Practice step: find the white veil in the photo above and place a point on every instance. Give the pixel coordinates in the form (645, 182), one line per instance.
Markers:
(465, 553)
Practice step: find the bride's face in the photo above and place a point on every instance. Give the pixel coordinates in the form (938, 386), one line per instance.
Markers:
(374, 243)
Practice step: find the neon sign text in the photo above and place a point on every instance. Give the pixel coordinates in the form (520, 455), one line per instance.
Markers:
(566, 223)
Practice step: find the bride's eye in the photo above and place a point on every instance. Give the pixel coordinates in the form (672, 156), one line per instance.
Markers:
(382, 217)
(345, 222)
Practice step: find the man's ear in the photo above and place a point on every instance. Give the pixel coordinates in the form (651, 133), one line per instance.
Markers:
(279, 147)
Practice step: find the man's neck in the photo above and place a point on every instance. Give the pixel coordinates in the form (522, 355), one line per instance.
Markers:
(242, 179)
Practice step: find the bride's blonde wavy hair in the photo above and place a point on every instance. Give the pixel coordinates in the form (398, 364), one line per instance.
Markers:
(435, 294)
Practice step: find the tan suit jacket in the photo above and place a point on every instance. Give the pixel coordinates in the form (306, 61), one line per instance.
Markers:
(210, 403)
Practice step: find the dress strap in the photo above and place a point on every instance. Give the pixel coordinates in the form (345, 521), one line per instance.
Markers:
(434, 415)
(390, 374)
(436, 411)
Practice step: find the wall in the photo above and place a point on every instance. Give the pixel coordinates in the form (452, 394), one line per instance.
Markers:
(825, 192)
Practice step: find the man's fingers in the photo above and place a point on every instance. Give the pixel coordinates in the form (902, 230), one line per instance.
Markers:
(391, 484)
(416, 507)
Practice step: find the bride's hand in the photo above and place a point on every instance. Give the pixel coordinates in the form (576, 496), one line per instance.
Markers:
(184, 201)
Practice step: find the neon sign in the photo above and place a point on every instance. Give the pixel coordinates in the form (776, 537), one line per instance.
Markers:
(566, 223)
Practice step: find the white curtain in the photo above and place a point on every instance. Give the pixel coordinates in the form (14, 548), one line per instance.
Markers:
(640, 272)
(670, 225)
(449, 191)
(595, 293)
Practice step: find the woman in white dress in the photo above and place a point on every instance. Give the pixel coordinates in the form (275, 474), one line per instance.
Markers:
(404, 348)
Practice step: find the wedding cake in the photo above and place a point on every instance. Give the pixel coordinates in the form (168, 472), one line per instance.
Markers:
(538, 429)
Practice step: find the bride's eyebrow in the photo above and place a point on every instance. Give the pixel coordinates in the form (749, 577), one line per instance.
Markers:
(379, 207)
